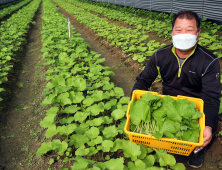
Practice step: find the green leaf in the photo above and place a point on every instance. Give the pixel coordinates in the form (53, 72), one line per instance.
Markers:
(92, 151)
(81, 116)
(69, 82)
(58, 80)
(82, 151)
(117, 145)
(64, 99)
(138, 165)
(81, 163)
(78, 140)
(94, 110)
(107, 120)
(92, 133)
(194, 136)
(44, 148)
(178, 166)
(107, 144)
(96, 121)
(83, 127)
(60, 146)
(131, 150)
(50, 118)
(70, 109)
(108, 86)
(51, 161)
(121, 126)
(155, 168)
(20, 85)
(149, 160)
(108, 73)
(51, 131)
(168, 159)
(118, 114)
(48, 99)
(88, 101)
(158, 135)
(110, 131)
(173, 113)
(72, 96)
(160, 153)
(98, 96)
(143, 150)
(96, 141)
(66, 130)
(80, 83)
(114, 164)
(124, 100)
(141, 107)
(78, 97)
(118, 92)
(107, 157)
(185, 107)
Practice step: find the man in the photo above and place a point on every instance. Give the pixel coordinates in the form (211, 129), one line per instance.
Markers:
(187, 69)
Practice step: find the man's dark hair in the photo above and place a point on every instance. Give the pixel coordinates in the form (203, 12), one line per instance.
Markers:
(187, 15)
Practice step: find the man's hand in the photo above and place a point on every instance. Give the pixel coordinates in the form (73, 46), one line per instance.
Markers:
(207, 134)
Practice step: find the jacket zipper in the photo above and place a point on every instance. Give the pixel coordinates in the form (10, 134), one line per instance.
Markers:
(180, 66)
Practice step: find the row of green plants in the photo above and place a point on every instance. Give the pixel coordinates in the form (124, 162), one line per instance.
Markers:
(135, 43)
(152, 14)
(161, 25)
(87, 115)
(9, 4)
(12, 8)
(13, 38)
(162, 28)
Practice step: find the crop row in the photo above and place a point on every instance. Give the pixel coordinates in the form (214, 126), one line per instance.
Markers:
(145, 23)
(133, 42)
(208, 25)
(13, 38)
(86, 117)
(210, 38)
(10, 9)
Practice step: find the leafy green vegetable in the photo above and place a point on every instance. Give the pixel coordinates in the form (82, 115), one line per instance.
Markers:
(114, 164)
(131, 150)
(165, 117)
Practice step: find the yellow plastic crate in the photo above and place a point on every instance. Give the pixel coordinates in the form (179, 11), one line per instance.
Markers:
(170, 145)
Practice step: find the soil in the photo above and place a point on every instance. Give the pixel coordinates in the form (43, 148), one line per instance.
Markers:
(20, 132)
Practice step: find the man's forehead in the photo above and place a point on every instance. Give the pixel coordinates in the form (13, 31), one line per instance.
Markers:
(185, 20)
(187, 26)
(188, 22)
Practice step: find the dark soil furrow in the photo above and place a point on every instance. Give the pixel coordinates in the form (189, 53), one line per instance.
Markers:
(21, 134)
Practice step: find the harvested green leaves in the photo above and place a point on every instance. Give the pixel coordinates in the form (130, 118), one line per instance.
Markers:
(165, 117)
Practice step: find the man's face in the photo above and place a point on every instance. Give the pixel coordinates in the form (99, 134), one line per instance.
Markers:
(185, 26)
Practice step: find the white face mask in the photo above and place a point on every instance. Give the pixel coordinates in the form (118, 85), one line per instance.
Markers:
(184, 42)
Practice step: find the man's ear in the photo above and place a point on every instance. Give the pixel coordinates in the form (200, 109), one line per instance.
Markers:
(198, 33)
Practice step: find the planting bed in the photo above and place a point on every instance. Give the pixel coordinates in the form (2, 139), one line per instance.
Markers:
(67, 109)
